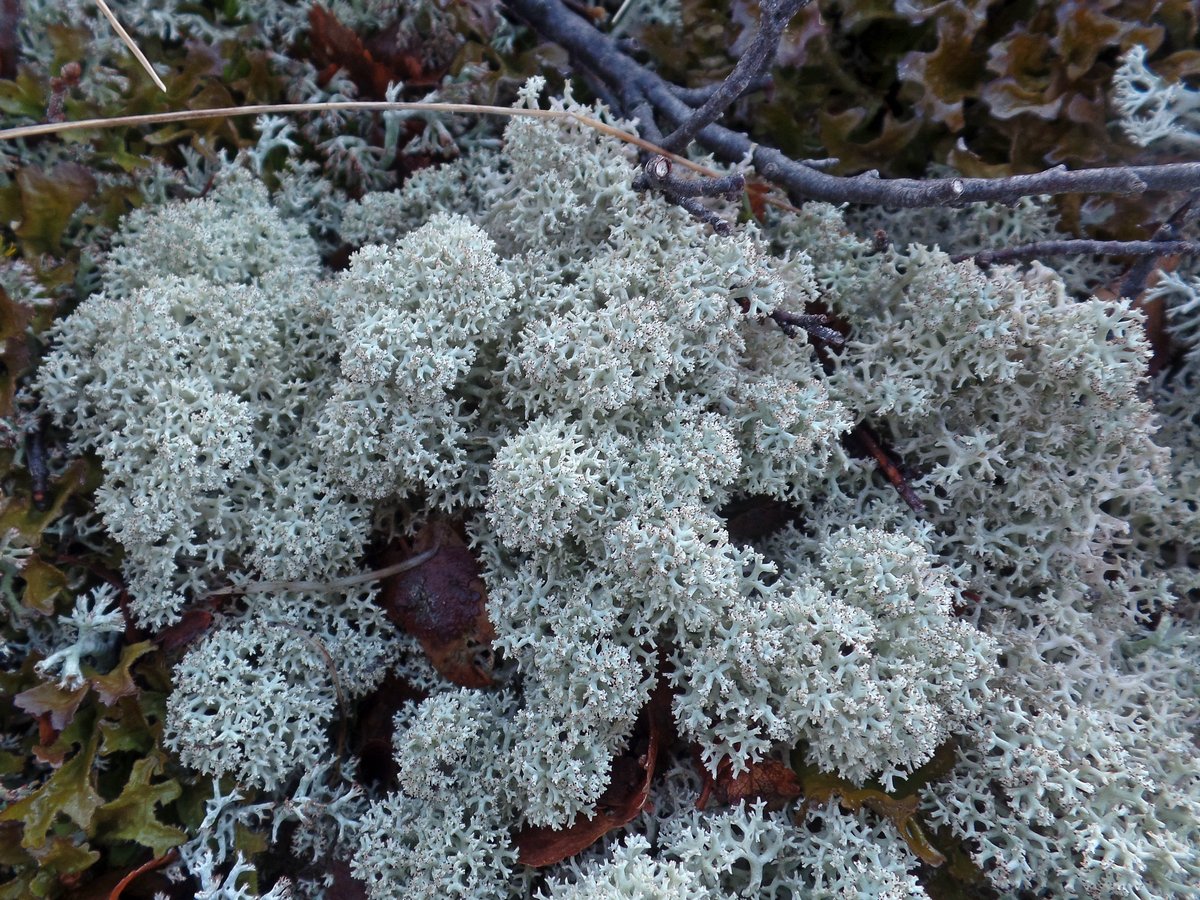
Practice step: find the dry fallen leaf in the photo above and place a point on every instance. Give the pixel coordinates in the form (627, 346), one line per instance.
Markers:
(768, 780)
(335, 46)
(443, 603)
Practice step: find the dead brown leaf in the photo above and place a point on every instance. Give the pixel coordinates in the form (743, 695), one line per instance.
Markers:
(57, 704)
(335, 46)
(443, 603)
(193, 624)
(768, 780)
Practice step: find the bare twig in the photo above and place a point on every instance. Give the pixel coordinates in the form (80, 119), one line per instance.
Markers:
(821, 165)
(702, 213)
(225, 112)
(158, 862)
(1136, 278)
(620, 12)
(190, 115)
(889, 468)
(774, 16)
(600, 89)
(1081, 246)
(129, 42)
(605, 58)
(700, 95)
(645, 121)
(816, 324)
(657, 172)
(336, 584)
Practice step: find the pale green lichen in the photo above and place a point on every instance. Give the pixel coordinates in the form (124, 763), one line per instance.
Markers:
(586, 375)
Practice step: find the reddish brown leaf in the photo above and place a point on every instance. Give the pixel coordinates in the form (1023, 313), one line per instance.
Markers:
(58, 703)
(400, 55)
(118, 683)
(756, 195)
(768, 780)
(336, 47)
(47, 735)
(191, 625)
(443, 603)
(627, 794)
(1155, 312)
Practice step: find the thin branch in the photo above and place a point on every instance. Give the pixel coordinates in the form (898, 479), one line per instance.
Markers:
(657, 172)
(223, 112)
(894, 475)
(133, 47)
(645, 121)
(1081, 246)
(604, 57)
(620, 12)
(684, 192)
(829, 162)
(699, 95)
(774, 16)
(157, 863)
(1138, 275)
(39, 472)
(598, 87)
(702, 213)
(816, 324)
(337, 584)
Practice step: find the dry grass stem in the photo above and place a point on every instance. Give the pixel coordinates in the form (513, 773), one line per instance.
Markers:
(133, 48)
(190, 115)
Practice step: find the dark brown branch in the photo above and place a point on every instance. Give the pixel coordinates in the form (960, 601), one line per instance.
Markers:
(815, 324)
(598, 87)
(821, 165)
(894, 475)
(645, 119)
(601, 54)
(805, 183)
(1081, 246)
(1136, 278)
(702, 213)
(774, 16)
